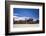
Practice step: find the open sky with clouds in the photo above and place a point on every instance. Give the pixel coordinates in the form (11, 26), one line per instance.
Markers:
(26, 12)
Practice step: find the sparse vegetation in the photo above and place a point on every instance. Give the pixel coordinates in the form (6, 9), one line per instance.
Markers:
(29, 21)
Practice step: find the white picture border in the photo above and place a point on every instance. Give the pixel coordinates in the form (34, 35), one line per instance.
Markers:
(12, 29)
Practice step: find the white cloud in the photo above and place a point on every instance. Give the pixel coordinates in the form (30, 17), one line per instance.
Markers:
(16, 18)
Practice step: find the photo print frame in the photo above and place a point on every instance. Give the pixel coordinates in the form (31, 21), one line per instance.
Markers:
(24, 17)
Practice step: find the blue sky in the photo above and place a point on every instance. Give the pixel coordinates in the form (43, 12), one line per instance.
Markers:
(26, 12)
